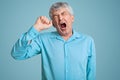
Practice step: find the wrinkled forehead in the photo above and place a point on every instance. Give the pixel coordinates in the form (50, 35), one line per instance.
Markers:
(60, 10)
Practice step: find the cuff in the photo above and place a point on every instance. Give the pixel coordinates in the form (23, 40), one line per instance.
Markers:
(32, 32)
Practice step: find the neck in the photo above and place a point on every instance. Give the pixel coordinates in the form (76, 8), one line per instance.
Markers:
(67, 36)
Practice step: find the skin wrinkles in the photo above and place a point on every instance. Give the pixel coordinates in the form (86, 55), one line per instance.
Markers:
(62, 16)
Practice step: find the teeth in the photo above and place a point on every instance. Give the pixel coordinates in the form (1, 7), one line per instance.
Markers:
(62, 23)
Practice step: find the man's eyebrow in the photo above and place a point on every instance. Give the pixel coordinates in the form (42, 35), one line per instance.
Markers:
(55, 14)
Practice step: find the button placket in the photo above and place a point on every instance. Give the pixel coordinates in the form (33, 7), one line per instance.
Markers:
(66, 60)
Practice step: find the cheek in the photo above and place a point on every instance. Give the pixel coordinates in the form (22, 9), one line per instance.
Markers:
(54, 24)
(55, 21)
(70, 21)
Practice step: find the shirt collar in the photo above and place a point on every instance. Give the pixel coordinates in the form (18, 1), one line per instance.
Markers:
(75, 35)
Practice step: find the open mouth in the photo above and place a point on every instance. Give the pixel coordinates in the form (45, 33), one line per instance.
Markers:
(63, 25)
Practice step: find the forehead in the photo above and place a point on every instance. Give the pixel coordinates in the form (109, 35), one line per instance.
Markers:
(59, 10)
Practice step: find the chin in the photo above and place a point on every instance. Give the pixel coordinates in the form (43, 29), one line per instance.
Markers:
(63, 33)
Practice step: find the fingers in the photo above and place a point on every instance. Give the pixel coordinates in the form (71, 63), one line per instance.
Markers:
(42, 23)
(45, 20)
(50, 23)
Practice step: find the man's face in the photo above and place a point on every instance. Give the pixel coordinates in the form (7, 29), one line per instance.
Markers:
(62, 21)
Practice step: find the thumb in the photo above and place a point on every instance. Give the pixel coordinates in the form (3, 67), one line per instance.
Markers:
(50, 23)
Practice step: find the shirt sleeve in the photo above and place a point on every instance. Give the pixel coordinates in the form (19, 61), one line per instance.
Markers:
(27, 45)
(91, 65)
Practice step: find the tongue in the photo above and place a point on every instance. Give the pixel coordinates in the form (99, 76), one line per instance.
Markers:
(63, 25)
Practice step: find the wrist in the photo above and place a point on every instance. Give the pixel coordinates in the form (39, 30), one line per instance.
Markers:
(37, 27)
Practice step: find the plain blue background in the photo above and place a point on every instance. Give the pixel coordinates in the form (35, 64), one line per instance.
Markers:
(98, 18)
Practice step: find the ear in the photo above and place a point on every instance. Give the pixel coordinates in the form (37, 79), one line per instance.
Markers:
(72, 18)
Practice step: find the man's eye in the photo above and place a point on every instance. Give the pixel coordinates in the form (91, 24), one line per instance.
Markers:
(55, 16)
(64, 13)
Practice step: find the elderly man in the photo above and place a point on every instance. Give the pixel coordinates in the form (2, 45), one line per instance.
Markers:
(65, 53)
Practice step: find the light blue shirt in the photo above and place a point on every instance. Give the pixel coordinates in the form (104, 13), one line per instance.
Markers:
(74, 59)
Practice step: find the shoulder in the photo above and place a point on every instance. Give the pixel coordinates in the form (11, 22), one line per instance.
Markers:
(87, 39)
(84, 36)
(48, 34)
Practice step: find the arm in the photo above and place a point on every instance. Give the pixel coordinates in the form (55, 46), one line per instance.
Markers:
(91, 65)
(29, 44)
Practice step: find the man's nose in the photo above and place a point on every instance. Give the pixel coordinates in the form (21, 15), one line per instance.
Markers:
(60, 17)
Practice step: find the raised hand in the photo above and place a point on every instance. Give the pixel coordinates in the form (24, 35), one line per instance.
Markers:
(42, 23)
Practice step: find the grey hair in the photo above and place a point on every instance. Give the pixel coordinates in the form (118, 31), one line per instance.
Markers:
(58, 5)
